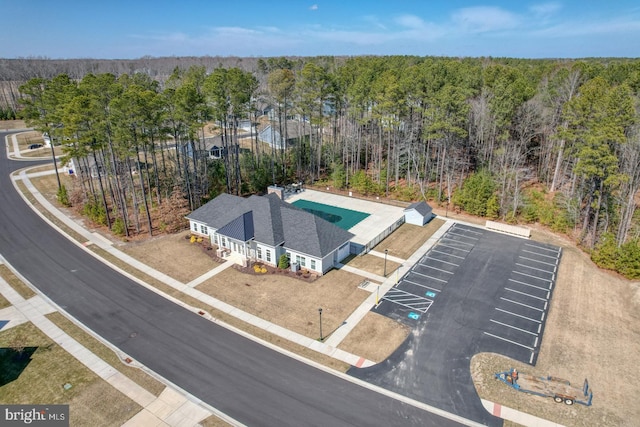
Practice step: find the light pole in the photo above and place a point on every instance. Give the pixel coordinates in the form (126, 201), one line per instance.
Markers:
(386, 251)
(320, 313)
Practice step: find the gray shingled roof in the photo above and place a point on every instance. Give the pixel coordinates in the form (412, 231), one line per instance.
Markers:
(240, 228)
(273, 222)
(421, 207)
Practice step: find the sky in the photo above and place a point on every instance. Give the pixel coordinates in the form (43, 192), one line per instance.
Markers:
(118, 29)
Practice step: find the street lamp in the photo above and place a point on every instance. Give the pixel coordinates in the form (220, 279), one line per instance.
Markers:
(386, 251)
(320, 313)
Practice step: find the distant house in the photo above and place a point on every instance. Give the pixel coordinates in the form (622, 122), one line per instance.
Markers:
(418, 213)
(262, 228)
(295, 131)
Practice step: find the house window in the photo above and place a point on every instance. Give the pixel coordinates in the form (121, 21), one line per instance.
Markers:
(195, 226)
(313, 264)
(259, 252)
(224, 242)
(203, 229)
(303, 261)
(268, 253)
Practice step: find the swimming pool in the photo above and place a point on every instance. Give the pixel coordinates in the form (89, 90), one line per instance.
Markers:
(343, 218)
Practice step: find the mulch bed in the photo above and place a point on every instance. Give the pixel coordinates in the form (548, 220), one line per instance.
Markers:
(210, 250)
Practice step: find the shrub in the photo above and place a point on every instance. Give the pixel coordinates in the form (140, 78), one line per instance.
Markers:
(628, 260)
(475, 193)
(63, 196)
(283, 262)
(118, 227)
(95, 211)
(624, 259)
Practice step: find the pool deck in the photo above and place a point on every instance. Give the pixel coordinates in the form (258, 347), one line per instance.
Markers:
(380, 217)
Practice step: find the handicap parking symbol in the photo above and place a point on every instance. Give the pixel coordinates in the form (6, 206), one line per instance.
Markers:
(414, 316)
(430, 294)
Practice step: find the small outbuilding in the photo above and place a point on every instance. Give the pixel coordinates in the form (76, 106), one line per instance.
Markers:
(418, 213)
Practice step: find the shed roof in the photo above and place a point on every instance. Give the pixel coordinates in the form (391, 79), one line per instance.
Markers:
(421, 207)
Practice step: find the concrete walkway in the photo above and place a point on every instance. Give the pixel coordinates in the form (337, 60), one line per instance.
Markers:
(158, 411)
(177, 408)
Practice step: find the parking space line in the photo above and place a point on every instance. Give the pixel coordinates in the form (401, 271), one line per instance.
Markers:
(512, 342)
(519, 315)
(541, 247)
(453, 247)
(553, 264)
(522, 304)
(411, 307)
(444, 253)
(429, 277)
(529, 284)
(439, 260)
(403, 298)
(537, 253)
(435, 268)
(422, 286)
(534, 268)
(468, 230)
(462, 235)
(526, 294)
(513, 327)
(529, 275)
(457, 241)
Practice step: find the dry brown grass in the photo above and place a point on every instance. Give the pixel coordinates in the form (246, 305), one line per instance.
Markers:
(593, 331)
(49, 369)
(289, 302)
(372, 264)
(4, 303)
(408, 238)
(213, 421)
(17, 284)
(375, 337)
(174, 255)
(12, 124)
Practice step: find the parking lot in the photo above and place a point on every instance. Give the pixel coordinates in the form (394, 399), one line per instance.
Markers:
(522, 303)
(505, 282)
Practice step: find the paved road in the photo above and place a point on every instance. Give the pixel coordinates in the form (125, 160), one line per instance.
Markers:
(474, 291)
(251, 383)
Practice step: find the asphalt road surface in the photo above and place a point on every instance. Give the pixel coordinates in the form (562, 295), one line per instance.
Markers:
(251, 383)
(474, 291)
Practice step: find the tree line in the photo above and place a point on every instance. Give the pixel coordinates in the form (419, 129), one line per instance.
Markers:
(549, 141)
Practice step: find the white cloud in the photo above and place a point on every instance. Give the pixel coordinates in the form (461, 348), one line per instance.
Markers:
(545, 9)
(485, 18)
(619, 26)
(313, 7)
(410, 21)
(467, 31)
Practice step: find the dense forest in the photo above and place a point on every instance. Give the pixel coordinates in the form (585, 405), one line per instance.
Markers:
(549, 141)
